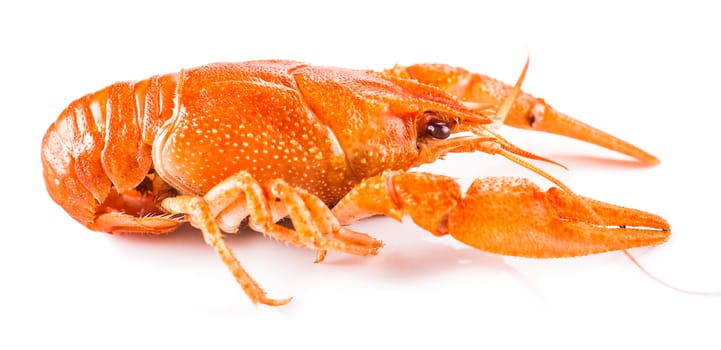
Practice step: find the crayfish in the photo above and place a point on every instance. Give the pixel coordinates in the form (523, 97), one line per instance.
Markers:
(233, 144)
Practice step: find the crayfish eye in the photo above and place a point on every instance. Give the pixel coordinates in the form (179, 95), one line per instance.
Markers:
(438, 129)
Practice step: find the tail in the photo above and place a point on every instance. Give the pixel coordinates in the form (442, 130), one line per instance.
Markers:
(97, 152)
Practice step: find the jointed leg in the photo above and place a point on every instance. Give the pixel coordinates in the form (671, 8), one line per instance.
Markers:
(318, 227)
(240, 195)
(200, 216)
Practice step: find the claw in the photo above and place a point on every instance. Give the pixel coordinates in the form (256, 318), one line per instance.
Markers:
(504, 215)
(514, 217)
(543, 117)
(526, 112)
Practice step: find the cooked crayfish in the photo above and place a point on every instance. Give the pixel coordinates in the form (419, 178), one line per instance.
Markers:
(233, 143)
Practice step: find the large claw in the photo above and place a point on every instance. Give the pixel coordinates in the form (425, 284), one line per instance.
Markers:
(538, 115)
(513, 216)
(503, 215)
(527, 112)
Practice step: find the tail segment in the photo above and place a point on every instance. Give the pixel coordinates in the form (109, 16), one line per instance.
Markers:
(96, 155)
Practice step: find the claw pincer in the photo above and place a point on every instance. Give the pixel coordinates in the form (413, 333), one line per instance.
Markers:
(547, 224)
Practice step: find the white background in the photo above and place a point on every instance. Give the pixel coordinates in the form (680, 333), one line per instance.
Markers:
(647, 72)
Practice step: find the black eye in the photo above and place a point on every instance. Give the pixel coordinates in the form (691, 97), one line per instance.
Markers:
(438, 129)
